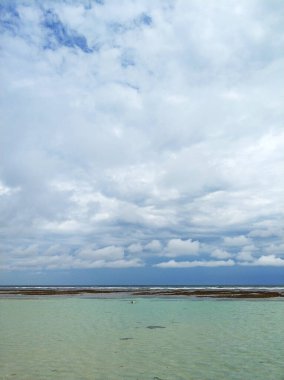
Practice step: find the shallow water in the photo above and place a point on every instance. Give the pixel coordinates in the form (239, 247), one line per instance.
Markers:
(81, 338)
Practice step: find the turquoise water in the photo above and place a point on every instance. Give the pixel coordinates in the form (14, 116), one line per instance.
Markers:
(81, 338)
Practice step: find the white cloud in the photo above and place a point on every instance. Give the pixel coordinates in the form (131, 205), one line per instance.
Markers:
(106, 253)
(56, 256)
(134, 263)
(268, 229)
(245, 256)
(193, 264)
(236, 241)
(262, 233)
(135, 248)
(24, 252)
(269, 260)
(4, 190)
(275, 249)
(220, 254)
(154, 246)
(66, 226)
(178, 247)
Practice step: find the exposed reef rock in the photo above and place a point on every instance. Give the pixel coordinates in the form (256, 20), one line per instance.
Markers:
(142, 292)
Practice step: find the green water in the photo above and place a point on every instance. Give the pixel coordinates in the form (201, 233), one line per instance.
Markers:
(79, 338)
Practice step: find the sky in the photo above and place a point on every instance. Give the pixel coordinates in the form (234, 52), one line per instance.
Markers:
(141, 142)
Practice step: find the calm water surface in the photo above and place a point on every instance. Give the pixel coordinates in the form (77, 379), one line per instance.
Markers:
(81, 338)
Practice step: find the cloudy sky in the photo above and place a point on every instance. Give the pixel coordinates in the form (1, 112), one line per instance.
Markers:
(142, 141)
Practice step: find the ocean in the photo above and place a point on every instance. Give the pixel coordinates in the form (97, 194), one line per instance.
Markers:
(101, 338)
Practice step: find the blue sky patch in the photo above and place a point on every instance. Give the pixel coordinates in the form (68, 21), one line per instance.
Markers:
(9, 18)
(145, 19)
(59, 34)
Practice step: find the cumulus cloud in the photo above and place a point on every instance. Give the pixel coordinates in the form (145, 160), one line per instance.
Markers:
(133, 263)
(236, 241)
(178, 247)
(246, 253)
(154, 246)
(269, 260)
(135, 248)
(273, 248)
(60, 257)
(106, 253)
(220, 254)
(245, 256)
(192, 264)
(107, 257)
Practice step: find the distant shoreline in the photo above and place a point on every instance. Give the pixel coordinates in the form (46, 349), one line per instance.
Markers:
(196, 292)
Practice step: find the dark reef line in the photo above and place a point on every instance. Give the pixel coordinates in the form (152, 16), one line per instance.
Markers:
(212, 293)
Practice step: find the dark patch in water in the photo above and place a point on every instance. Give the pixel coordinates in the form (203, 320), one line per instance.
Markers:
(125, 338)
(157, 378)
(155, 327)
